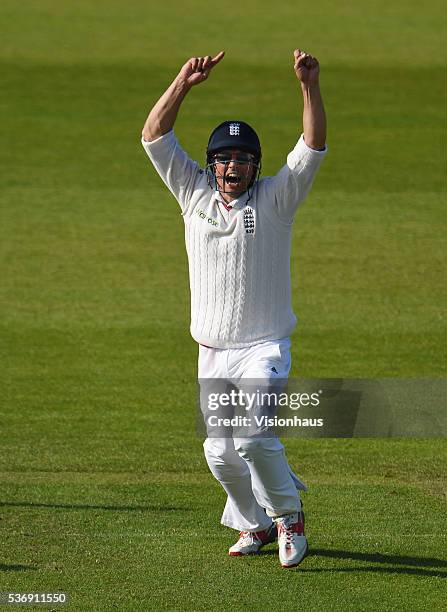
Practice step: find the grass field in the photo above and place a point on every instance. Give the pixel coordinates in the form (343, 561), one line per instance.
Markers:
(105, 493)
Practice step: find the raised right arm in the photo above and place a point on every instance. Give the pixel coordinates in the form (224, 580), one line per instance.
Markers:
(162, 117)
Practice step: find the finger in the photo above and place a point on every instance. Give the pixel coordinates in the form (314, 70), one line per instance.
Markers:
(206, 62)
(303, 60)
(309, 61)
(217, 58)
(199, 64)
(194, 62)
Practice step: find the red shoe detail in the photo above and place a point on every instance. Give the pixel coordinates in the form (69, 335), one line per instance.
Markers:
(254, 541)
(292, 540)
(266, 536)
(294, 528)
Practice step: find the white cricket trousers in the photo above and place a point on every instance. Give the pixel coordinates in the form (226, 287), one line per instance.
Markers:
(253, 471)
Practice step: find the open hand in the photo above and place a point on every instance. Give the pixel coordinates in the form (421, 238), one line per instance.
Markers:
(197, 69)
(306, 67)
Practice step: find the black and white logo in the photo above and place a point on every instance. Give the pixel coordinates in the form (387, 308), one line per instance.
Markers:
(249, 220)
(234, 129)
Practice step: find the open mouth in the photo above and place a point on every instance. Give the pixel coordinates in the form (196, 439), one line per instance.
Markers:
(233, 179)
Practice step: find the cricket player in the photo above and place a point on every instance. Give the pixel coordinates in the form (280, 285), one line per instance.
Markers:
(238, 236)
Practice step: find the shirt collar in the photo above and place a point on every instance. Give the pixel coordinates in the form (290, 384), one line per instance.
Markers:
(238, 203)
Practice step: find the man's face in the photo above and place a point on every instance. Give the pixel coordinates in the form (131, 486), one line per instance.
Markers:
(234, 170)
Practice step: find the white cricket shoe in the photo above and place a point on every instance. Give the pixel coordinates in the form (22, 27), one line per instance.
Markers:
(291, 539)
(251, 542)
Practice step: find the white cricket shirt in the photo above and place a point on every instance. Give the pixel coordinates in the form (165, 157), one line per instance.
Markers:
(239, 260)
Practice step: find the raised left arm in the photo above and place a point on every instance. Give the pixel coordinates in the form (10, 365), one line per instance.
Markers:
(307, 70)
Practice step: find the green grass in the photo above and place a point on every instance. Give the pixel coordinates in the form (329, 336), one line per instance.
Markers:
(148, 542)
(105, 492)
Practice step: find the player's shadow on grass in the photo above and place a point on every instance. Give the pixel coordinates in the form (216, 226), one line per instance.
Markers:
(15, 568)
(399, 564)
(153, 508)
(378, 557)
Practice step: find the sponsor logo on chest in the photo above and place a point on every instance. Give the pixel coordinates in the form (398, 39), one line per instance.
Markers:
(248, 220)
(206, 218)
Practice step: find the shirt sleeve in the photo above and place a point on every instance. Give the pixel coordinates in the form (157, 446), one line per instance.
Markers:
(289, 187)
(179, 173)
